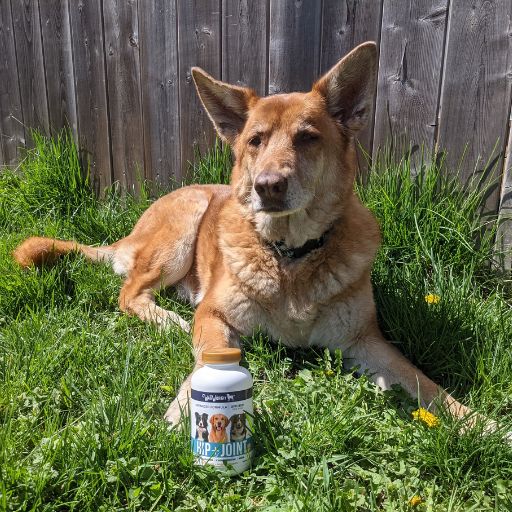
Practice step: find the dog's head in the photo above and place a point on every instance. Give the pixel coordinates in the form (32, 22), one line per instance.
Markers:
(201, 420)
(219, 422)
(290, 148)
(237, 423)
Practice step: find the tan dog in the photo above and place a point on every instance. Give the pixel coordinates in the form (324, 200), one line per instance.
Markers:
(287, 247)
(218, 433)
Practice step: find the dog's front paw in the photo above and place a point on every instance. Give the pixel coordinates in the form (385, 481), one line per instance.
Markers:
(176, 413)
(168, 319)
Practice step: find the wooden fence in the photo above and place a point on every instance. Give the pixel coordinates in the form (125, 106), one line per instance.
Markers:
(118, 73)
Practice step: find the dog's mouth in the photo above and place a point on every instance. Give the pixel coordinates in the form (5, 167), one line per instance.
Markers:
(276, 211)
(218, 428)
(271, 207)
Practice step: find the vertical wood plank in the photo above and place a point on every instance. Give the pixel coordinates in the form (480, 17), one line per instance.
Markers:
(199, 44)
(160, 91)
(344, 26)
(90, 87)
(476, 86)
(504, 235)
(3, 159)
(244, 43)
(58, 58)
(11, 117)
(411, 55)
(29, 53)
(124, 94)
(294, 46)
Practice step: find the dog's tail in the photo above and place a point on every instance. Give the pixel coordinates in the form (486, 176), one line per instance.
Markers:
(45, 251)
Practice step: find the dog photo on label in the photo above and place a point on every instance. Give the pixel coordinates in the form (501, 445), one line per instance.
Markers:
(218, 431)
(202, 426)
(238, 430)
(287, 247)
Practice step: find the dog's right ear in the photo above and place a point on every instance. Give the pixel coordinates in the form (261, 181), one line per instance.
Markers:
(212, 420)
(198, 417)
(226, 105)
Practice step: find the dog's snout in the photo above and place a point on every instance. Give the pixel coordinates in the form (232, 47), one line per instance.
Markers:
(271, 185)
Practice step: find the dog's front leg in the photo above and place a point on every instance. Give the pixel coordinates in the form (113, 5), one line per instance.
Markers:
(211, 331)
(387, 366)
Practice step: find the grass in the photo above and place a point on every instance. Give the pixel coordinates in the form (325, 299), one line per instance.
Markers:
(83, 388)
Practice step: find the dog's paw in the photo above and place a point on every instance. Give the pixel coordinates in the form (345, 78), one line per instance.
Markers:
(176, 414)
(507, 438)
(171, 319)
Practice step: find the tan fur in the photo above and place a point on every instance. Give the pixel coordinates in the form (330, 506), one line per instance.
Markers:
(218, 426)
(212, 241)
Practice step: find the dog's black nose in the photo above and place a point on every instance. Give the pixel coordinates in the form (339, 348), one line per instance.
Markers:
(271, 186)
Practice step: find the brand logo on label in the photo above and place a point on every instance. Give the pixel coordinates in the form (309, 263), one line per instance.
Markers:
(235, 396)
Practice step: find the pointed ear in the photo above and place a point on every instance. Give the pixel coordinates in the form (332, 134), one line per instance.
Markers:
(349, 87)
(226, 105)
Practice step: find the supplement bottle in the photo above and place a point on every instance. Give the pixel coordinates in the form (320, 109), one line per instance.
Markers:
(221, 412)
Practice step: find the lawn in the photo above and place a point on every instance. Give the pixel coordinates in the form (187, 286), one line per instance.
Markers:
(83, 387)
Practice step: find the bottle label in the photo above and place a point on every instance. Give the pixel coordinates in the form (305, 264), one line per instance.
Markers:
(221, 428)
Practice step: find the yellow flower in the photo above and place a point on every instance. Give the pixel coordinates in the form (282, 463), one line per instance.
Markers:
(432, 298)
(426, 417)
(415, 500)
(328, 373)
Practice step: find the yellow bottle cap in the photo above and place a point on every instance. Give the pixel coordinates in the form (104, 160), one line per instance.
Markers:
(222, 355)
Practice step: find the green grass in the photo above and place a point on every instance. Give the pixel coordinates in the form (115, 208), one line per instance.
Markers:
(83, 388)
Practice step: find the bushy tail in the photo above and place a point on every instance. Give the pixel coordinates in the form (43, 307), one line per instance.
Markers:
(38, 251)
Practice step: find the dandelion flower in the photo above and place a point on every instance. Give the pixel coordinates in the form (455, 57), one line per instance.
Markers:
(328, 373)
(426, 417)
(415, 500)
(431, 298)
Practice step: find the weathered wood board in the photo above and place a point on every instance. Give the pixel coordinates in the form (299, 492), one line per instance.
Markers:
(29, 55)
(344, 26)
(91, 89)
(160, 90)
(11, 116)
(199, 44)
(244, 43)
(410, 68)
(476, 88)
(121, 26)
(294, 45)
(58, 60)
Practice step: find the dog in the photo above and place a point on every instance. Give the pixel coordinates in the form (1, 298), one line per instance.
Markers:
(287, 247)
(202, 426)
(218, 433)
(238, 430)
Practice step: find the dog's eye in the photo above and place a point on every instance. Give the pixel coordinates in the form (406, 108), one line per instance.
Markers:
(255, 141)
(306, 137)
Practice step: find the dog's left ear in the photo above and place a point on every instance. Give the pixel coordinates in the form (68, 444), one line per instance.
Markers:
(226, 105)
(349, 87)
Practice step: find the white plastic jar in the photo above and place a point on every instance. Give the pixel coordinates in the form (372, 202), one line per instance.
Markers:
(221, 412)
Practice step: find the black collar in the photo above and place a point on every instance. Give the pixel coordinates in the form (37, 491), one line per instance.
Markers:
(280, 249)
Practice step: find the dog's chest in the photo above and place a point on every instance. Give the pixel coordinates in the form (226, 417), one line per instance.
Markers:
(297, 311)
(335, 325)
